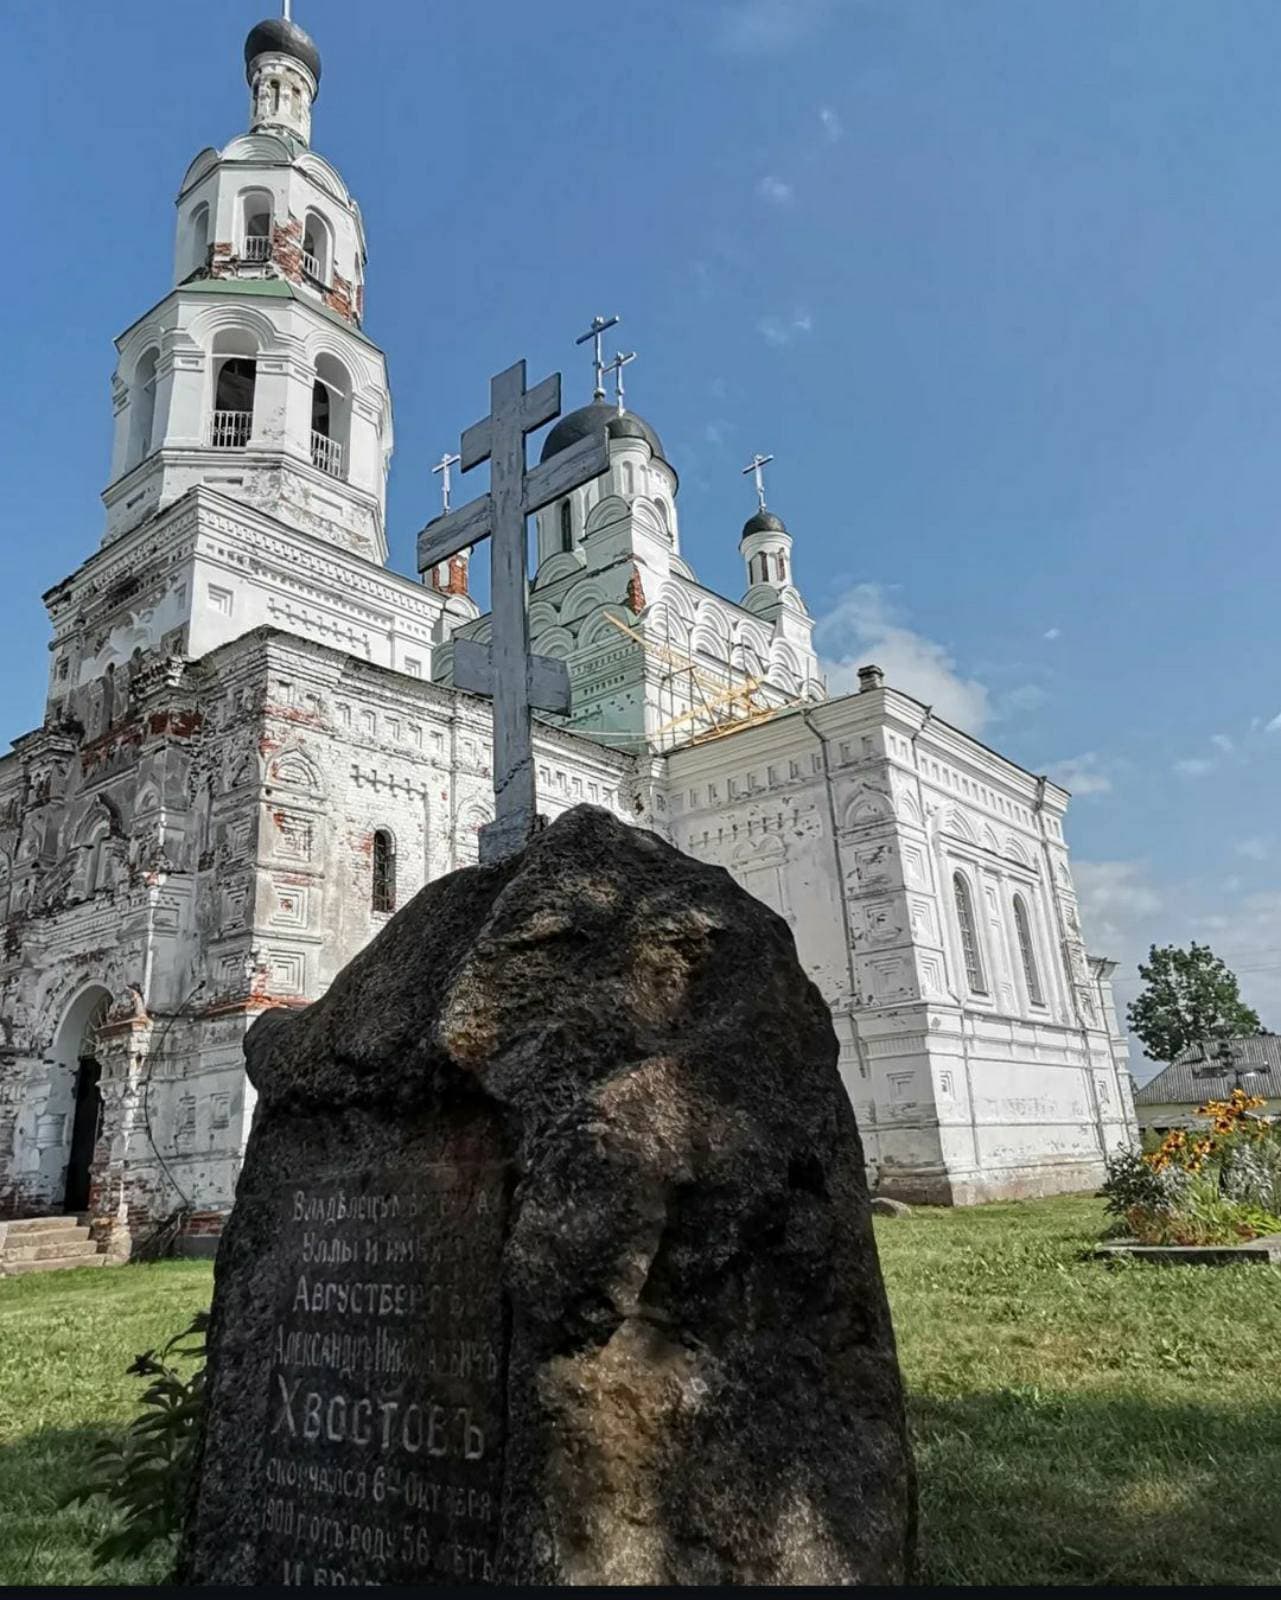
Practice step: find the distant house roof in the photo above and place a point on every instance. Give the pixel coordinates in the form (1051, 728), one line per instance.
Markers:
(1195, 1076)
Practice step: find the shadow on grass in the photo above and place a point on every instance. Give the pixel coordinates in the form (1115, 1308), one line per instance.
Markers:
(42, 1542)
(1017, 1486)
(1024, 1486)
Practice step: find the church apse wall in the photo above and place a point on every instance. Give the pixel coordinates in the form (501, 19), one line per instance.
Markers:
(927, 886)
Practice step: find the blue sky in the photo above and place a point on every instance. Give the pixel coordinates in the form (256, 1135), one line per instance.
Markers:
(996, 282)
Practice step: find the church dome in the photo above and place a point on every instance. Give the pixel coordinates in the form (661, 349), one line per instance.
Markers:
(588, 419)
(763, 522)
(279, 36)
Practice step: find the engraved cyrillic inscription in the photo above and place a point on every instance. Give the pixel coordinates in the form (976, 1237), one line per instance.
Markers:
(383, 1451)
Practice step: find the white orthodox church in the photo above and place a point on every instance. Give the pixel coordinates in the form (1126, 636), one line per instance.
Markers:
(252, 754)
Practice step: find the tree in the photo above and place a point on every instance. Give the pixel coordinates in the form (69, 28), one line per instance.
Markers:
(1191, 996)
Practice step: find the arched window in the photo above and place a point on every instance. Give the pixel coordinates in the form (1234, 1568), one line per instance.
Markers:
(781, 560)
(629, 478)
(330, 416)
(142, 409)
(664, 515)
(196, 254)
(233, 409)
(1023, 928)
(566, 526)
(97, 862)
(383, 897)
(969, 935)
(108, 698)
(320, 436)
(256, 225)
(317, 248)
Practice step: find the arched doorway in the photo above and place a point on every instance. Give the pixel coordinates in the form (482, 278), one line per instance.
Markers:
(85, 1127)
(75, 1101)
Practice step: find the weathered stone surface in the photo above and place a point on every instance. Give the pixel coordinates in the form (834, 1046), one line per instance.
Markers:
(883, 1206)
(552, 1257)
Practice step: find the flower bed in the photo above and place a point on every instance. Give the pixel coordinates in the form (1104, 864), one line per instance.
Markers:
(1217, 1186)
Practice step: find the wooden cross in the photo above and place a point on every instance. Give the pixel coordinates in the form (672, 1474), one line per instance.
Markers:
(518, 681)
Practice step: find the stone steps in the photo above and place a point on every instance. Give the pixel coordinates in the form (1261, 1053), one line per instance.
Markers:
(44, 1244)
(15, 1269)
(25, 1226)
(50, 1249)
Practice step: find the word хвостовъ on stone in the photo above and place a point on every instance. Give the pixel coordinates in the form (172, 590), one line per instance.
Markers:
(551, 1260)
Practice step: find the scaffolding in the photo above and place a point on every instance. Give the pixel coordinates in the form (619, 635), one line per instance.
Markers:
(714, 708)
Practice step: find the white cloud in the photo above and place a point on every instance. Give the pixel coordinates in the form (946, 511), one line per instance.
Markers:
(1115, 890)
(832, 125)
(1275, 725)
(1022, 697)
(1193, 767)
(717, 431)
(1052, 633)
(1125, 910)
(1253, 849)
(779, 331)
(774, 190)
(860, 629)
(761, 27)
(1220, 741)
(1123, 915)
(1081, 775)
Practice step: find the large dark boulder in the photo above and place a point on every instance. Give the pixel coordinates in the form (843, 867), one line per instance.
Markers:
(552, 1259)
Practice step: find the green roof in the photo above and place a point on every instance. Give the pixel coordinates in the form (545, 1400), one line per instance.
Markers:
(270, 289)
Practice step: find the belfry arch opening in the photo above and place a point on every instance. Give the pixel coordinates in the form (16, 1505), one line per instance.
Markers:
(317, 248)
(330, 416)
(235, 379)
(142, 408)
(255, 210)
(196, 251)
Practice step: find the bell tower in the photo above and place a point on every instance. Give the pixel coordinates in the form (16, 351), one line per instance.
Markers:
(253, 375)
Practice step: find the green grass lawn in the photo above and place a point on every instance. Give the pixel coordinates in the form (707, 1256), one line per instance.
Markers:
(1074, 1422)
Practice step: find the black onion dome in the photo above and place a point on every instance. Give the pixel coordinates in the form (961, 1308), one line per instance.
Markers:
(588, 419)
(763, 522)
(279, 37)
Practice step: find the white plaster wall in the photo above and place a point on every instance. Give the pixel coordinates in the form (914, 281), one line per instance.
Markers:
(958, 1095)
